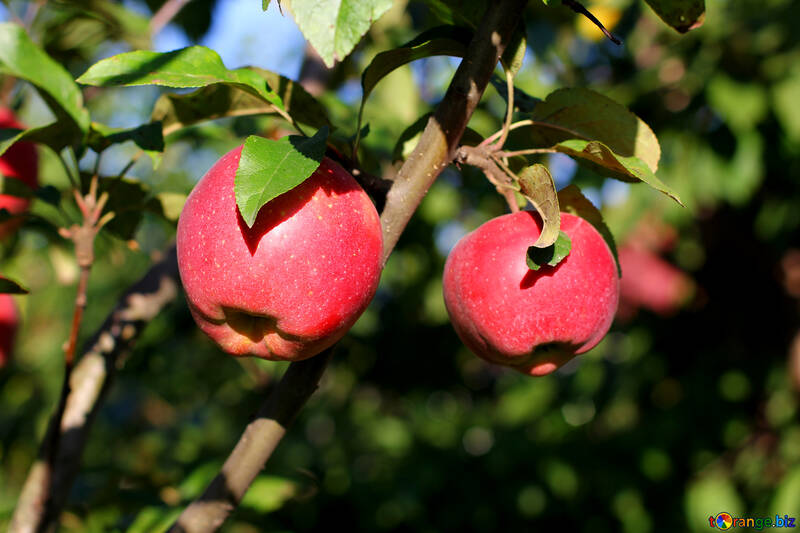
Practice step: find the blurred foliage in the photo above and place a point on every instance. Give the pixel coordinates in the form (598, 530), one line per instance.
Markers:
(668, 421)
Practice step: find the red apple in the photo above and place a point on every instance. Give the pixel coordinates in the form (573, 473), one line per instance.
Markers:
(19, 162)
(649, 281)
(294, 283)
(532, 321)
(9, 321)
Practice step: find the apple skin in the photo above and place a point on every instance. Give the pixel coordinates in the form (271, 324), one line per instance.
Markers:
(532, 321)
(20, 162)
(9, 322)
(294, 283)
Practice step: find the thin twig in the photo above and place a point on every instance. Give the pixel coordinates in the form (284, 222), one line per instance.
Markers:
(577, 7)
(434, 151)
(527, 151)
(165, 14)
(509, 113)
(91, 207)
(90, 382)
(512, 127)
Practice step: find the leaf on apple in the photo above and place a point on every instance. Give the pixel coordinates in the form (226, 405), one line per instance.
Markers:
(177, 111)
(571, 200)
(536, 184)
(9, 286)
(21, 58)
(335, 28)
(442, 40)
(579, 113)
(601, 159)
(194, 66)
(270, 168)
(683, 15)
(551, 255)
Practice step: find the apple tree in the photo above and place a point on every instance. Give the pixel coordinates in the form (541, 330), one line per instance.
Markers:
(646, 153)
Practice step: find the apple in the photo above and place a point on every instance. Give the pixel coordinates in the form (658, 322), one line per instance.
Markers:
(294, 283)
(20, 162)
(533, 321)
(9, 321)
(649, 281)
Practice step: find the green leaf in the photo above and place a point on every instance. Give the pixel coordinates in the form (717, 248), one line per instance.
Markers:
(536, 184)
(600, 158)
(710, 496)
(9, 286)
(335, 28)
(741, 105)
(21, 58)
(147, 136)
(683, 15)
(551, 255)
(269, 493)
(177, 111)
(784, 102)
(15, 187)
(195, 66)
(264, 5)
(154, 519)
(584, 114)
(56, 135)
(785, 500)
(442, 40)
(269, 168)
(571, 200)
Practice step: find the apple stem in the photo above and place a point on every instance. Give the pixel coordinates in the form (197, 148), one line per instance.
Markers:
(509, 113)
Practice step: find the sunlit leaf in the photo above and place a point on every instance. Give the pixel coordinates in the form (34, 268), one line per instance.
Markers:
(335, 28)
(176, 111)
(601, 159)
(21, 58)
(270, 168)
(585, 114)
(195, 66)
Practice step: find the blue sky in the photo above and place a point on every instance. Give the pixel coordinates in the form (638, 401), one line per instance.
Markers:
(241, 32)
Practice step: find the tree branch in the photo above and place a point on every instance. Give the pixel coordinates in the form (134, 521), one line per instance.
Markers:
(433, 153)
(89, 383)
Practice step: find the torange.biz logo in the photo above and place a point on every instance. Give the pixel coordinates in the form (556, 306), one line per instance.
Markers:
(727, 521)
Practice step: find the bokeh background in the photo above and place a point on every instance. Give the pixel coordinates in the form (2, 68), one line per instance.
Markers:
(688, 408)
